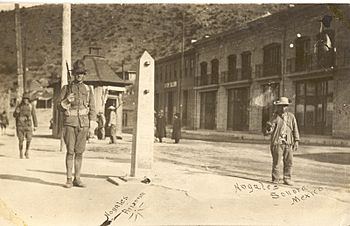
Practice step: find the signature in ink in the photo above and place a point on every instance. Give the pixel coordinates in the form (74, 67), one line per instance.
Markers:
(133, 209)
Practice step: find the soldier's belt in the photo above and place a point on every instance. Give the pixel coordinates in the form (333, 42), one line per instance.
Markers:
(81, 112)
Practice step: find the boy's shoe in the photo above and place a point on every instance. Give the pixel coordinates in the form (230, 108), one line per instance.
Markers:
(78, 183)
(275, 182)
(69, 183)
(288, 182)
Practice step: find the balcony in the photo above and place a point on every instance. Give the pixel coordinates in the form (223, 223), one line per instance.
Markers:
(267, 70)
(311, 62)
(206, 80)
(258, 70)
(236, 75)
(246, 73)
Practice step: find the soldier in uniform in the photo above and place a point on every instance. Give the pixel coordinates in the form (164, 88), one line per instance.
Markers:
(284, 140)
(24, 114)
(77, 102)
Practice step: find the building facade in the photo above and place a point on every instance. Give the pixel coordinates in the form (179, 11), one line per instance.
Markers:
(174, 81)
(292, 53)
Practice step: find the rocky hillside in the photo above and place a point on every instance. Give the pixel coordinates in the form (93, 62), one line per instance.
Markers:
(123, 31)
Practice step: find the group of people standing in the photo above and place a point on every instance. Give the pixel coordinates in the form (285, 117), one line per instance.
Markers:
(160, 127)
(112, 125)
(77, 104)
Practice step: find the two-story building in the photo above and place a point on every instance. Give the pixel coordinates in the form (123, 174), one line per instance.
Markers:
(302, 53)
(174, 81)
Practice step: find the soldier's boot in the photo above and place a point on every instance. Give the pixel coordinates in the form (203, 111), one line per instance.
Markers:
(27, 149)
(77, 167)
(69, 168)
(20, 149)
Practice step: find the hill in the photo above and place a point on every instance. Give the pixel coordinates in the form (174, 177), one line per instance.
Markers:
(123, 31)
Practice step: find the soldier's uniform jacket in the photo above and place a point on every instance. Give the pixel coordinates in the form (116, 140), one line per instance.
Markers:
(284, 129)
(79, 112)
(24, 113)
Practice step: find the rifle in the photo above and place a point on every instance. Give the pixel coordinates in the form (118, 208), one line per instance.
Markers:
(69, 77)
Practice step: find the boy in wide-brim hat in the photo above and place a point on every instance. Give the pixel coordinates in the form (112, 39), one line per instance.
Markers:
(285, 138)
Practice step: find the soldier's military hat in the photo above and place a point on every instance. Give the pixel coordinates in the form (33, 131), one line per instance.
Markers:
(78, 67)
(26, 95)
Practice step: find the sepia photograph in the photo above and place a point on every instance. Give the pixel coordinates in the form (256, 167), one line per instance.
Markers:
(166, 113)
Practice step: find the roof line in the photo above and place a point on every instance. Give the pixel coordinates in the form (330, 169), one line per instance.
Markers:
(97, 69)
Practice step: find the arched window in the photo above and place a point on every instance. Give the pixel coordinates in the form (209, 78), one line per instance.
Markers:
(203, 73)
(272, 60)
(302, 53)
(231, 68)
(214, 71)
(246, 65)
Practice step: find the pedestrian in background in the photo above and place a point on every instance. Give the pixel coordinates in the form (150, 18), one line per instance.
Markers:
(112, 124)
(4, 122)
(285, 138)
(25, 118)
(78, 105)
(101, 123)
(176, 135)
(161, 131)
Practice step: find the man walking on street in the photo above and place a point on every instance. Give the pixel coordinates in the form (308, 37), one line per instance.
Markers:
(101, 123)
(112, 124)
(77, 102)
(284, 140)
(4, 122)
(24, 114)
(176, 134)
(160, 127)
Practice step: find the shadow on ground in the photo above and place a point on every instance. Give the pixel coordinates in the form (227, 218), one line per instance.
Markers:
(45, 150)
(112, 159)
(49, 136)
(82, 175)
(340, 158)
(27, 179)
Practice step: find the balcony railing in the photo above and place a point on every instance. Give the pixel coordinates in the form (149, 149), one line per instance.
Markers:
(266, 70)
(259, 70)
(236, 75)
(310, 62)
(208, 79)
(272, 69)
(246, 73)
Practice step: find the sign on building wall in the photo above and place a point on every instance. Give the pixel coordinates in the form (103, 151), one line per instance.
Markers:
(170, 84)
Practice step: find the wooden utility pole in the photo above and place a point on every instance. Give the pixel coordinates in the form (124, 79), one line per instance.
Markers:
(20, 89)
(182, 74)
(66, 42)
(66, 58)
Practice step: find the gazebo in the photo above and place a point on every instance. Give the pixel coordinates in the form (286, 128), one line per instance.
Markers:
(106, 85)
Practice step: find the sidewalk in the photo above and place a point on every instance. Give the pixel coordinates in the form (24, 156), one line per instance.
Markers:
(239, 136)
(31, 193)
(249, 137)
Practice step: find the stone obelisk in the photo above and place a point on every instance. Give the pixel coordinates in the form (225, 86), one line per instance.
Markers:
(143, 133)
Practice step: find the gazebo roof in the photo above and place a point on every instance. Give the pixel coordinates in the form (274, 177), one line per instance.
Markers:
(100, 73)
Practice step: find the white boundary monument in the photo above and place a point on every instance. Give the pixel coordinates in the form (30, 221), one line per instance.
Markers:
(143, 132)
